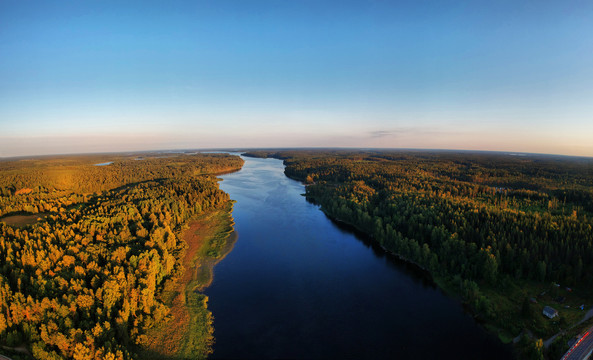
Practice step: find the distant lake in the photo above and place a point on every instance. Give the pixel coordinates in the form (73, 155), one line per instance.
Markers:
(104, 164)
(296, 285)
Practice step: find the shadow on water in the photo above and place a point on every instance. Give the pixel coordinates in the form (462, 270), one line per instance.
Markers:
(415, 272)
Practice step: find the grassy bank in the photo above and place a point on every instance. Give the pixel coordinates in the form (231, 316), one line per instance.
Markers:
(188, 331)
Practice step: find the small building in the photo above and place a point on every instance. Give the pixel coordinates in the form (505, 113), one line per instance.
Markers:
(550, 312)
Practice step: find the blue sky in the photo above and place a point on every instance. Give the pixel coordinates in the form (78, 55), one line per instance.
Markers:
(88, 76)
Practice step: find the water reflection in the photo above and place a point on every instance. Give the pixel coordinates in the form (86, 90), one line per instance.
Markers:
(414, 271)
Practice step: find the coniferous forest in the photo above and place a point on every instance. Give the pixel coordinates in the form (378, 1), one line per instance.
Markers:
(89, 249)
(507, 233)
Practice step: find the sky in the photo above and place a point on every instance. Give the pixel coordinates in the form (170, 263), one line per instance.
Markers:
(106, 76)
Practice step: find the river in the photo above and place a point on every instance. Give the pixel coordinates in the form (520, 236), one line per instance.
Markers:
(297, 285)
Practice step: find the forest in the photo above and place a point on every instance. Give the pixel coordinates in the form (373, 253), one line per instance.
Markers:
(506, 233)
(90, 245)
(84, 279)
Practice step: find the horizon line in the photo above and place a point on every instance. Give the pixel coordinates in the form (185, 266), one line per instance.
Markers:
(246, 149)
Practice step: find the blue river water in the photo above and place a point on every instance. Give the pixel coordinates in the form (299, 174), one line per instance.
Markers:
(298, 285)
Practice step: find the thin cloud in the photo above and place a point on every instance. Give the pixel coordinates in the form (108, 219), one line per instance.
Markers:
(404, 131)
(382, 133)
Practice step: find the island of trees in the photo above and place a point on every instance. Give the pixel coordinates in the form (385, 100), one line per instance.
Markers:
(509, 234)
(90, 251)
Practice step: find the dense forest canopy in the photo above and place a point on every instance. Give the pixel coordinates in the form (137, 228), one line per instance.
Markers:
(76, 175)
(86, 250)
(84, 281)
(490, 224)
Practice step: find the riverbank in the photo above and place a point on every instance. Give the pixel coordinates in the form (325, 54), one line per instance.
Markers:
(487, 244)
(188, 332)
(281, 293)
(509, 307)
(447, 284)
